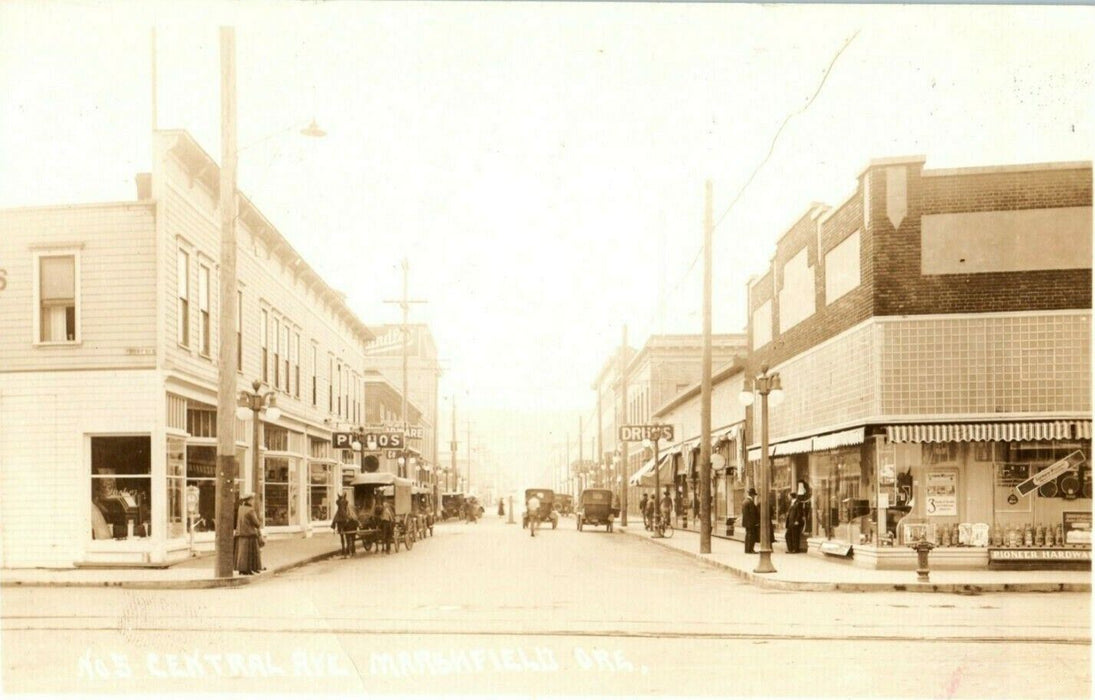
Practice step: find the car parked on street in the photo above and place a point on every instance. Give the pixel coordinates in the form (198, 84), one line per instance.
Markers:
(595, 508)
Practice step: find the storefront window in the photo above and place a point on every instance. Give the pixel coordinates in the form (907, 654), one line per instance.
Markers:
(842, 509)
(319, 491)
(201, 472)
(121, 487)
(176, 487)
(279, 497)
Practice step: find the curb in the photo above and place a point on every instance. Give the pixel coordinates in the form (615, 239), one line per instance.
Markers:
(234, 582)
(873, 587)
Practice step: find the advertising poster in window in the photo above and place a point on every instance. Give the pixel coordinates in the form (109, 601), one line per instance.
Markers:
(1006, 477)
(942, 493)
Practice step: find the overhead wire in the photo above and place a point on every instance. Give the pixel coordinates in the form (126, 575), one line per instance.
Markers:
(764, 161)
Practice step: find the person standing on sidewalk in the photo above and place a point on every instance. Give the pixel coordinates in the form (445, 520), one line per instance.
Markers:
(248, 552)
(796, 521)
(750, 520)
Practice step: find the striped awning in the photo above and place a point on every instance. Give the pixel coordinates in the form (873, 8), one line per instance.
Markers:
(979, 432)
(644, 476)
(841, 439)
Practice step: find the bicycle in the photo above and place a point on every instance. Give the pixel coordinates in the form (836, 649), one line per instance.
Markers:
(663, 527)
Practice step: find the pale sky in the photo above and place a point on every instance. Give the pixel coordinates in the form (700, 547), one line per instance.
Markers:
(541, 165)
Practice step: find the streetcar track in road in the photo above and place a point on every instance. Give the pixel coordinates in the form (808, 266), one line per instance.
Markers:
(604, 634)
(329, 618)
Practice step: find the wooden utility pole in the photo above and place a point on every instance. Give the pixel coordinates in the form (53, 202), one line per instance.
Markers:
(404, 304)
(705, 384)
(623, 445)
(227, 466)
(581, 457)
(452, 448)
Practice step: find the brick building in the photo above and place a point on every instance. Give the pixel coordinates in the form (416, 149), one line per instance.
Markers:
(933, 337)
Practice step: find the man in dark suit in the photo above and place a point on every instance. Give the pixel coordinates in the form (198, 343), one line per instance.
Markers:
(750, 520)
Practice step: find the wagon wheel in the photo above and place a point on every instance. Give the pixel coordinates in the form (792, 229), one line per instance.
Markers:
(408, 539)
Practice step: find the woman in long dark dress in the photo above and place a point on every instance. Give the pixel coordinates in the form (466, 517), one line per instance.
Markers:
(249, 532)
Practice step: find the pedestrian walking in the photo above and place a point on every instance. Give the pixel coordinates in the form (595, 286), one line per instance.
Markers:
(387, 525)
(501, 508)
(750, 520)
(248, 550)
(642, 511)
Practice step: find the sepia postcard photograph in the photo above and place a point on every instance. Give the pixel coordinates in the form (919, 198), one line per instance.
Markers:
(545, 349)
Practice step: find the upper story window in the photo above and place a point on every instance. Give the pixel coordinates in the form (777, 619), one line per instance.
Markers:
(296, 364)
(315, 371)
(203, 310)
(277, 353)
(57, 289)
(285, 356)
(183, 283)
(239, 330)
(264, 331)
(330, 384)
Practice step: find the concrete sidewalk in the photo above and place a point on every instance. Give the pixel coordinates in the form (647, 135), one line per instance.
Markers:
(196, 572)
(808, 572)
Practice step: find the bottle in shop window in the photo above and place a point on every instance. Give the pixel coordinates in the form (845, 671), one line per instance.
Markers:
(1028, 536)
(1049, 535)
(1059, 537)
(1011, 535)
(1040, 536)
(997, 536)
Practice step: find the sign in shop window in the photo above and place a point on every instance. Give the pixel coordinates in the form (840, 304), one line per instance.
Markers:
(941, 495)
(1007, 476)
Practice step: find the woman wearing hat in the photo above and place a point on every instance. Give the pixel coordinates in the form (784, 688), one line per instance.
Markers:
(796, 520)
(249, 529)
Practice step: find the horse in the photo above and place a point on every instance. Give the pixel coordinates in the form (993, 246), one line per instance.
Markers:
(345, 523)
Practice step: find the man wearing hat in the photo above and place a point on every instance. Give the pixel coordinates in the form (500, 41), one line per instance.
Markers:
(750, 520)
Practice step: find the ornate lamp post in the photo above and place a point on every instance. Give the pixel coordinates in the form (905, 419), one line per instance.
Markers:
(250, 405)
(765, 385)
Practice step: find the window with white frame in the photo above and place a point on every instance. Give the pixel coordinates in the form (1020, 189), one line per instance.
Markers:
(264, 331)
(239, 330)
(183, 284)
(285, 356)
(277, 352)
(203, 309)
(57, 289)
(315, 370)
(330, 383)
(296, 364)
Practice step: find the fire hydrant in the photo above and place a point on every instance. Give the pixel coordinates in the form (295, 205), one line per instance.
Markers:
(922, 548)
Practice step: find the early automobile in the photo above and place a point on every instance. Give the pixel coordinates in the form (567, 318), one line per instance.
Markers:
(595, 508)
(547, 507)
(371, 489)
(564, 503)
(452, 505)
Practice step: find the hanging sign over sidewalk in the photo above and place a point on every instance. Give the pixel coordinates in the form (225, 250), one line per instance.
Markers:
(638, 433)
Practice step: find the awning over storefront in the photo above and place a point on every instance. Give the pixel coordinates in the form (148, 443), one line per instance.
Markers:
(978, 432)
(645, 475)
(841, 439)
